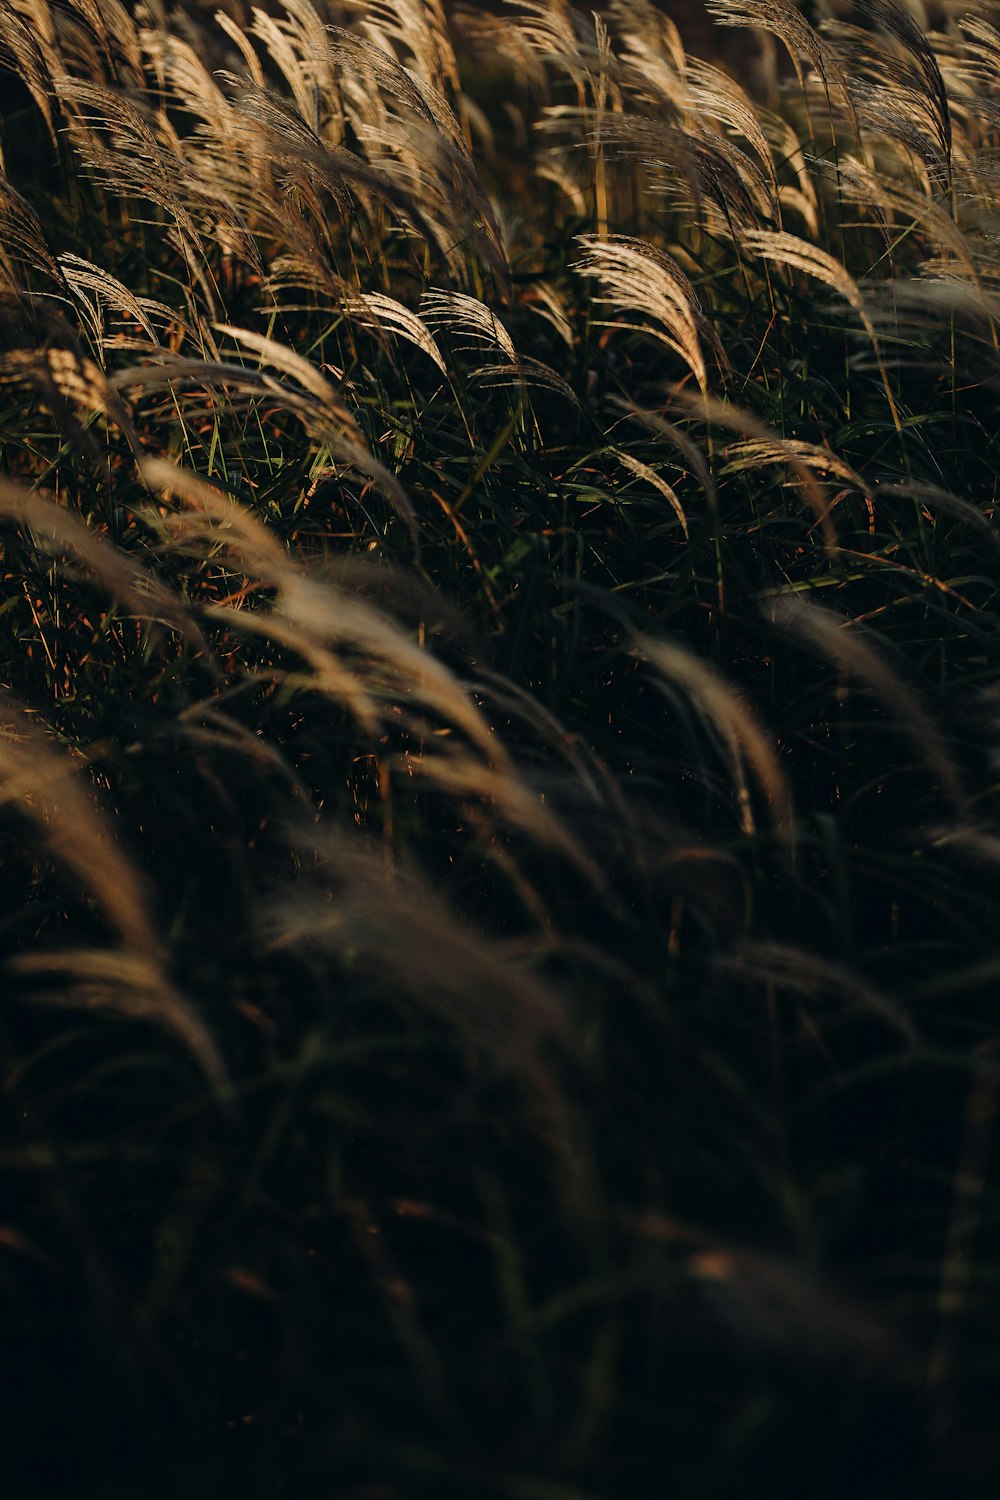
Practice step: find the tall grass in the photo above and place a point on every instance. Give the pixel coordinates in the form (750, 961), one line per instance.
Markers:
(498, 750)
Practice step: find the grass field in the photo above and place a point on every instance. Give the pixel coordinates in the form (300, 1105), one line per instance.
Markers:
(499, 737)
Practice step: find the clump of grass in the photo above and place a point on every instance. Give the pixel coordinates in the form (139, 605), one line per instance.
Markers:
(498, 751)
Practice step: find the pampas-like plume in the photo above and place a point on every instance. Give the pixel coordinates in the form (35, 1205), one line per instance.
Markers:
(133, 152)
(695, 168)
(387, 316)
(421, 30)
(66, 379)
(300, 46)
(762, 451)
(712, 95)
(693, 457)
(44, 788)
(490, 37)
(638, 278)
(475, 323)
(731, 719)
(93, 289)
(857, 182)
(894, 83)
(23, 241)
(649, 43)
(804, 459)
(127, 983)
(787, 249)
(415, 94)
(420, 144)
(27, 48)
(469, 319)
(936, 498)
(787, 23)
(550, 27)
(414, 170)
(114, 30)
(312, 399)
(643, 471)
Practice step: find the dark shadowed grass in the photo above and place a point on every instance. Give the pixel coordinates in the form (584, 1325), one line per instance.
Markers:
(498, 753)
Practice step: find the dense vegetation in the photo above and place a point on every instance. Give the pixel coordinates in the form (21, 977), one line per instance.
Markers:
(499, 751)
